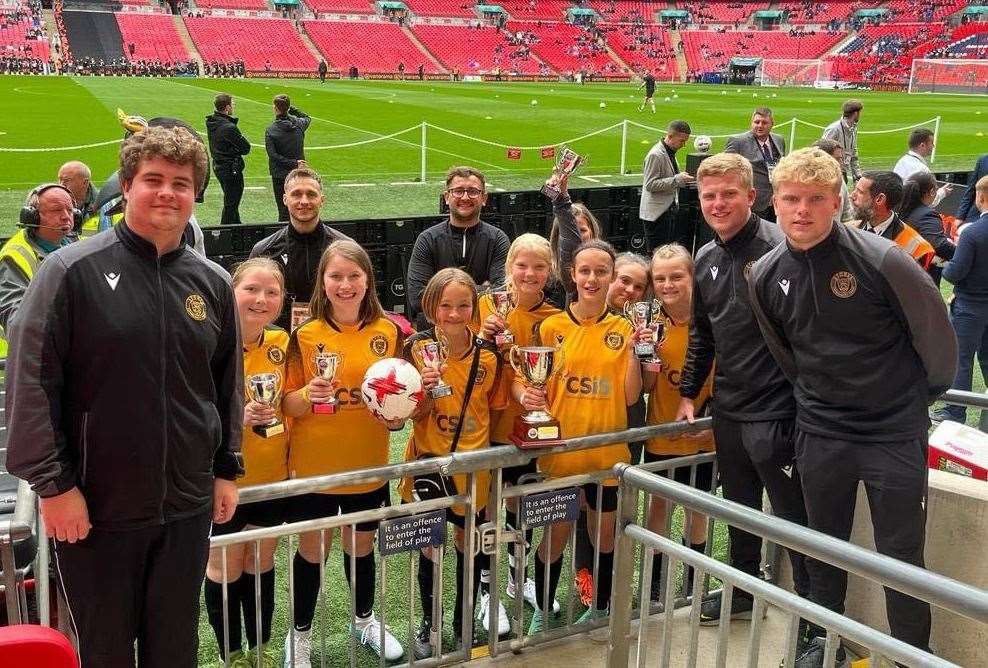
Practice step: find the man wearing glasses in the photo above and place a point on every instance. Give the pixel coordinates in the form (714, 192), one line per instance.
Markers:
(462, 241)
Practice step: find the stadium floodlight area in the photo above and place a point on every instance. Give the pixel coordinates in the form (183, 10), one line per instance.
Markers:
(958, 76)
(782, 72)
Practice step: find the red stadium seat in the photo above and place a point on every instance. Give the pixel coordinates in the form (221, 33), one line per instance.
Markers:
(255, 41)
(709, 51)
(341, 6)
(464, 8)
(233, 4)
(154, 37)
(35, 646)
(645, 47)
(567, 48)
(474, 50)
(370, 47)
(14, 40)
(536, 10)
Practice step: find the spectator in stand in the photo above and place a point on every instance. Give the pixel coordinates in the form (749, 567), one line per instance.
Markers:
(968, 271)
(967, 212)
(763, 149)
(921, 147)
(844, 131)
(284, 141)
(833, 149)
(661, 181)
(916, 210)
(76, 177)
(228, 146)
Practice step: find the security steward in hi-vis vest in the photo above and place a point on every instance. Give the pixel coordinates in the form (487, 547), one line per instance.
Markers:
(433, 434)
(46, 221)
(588, 397)
(316, 445)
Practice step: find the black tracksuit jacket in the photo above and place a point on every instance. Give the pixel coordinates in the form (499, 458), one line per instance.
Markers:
(284, 141)
(227, 145)
(125, 380)
(861, 331)
(749, 385)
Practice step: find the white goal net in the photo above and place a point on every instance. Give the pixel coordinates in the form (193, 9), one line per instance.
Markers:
(968, 77)
(777, 72)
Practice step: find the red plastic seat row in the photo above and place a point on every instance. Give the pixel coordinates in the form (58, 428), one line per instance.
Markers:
(721, 47)
(370, 47)
(154, 37)
(566, 47)
(625, 40)
(258, 42)
(341, 6)
(463, 8)
(233, 4)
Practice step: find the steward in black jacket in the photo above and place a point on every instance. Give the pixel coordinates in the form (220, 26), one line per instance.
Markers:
(227, 145)
(284, 141)
(125, 380)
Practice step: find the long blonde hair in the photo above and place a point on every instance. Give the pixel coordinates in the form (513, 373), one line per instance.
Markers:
(528, 242)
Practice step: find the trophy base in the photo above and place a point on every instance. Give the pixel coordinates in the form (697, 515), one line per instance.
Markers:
(504, 339)
(645, 351)
(535, 435)
(551, 192)
(269, 430)
(324, 409)
(654, 366)
(441, 391)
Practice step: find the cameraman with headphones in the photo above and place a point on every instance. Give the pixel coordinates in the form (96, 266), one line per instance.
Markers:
(47, 220)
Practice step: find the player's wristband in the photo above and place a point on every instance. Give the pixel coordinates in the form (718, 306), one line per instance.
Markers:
(305, 394)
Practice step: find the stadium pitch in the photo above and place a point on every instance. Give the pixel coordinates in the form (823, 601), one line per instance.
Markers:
(49, 120)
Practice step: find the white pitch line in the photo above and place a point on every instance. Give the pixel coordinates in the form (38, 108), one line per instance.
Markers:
(355, 185)
(589, 178)
(408, 183)
(255, 188)
(598, 176)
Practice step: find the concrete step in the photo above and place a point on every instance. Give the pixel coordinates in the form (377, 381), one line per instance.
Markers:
(190, 46)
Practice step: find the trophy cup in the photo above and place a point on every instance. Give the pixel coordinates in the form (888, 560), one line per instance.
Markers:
(327, 364)
(536, 365)
(568, 163)
(264, 388)
(504, 304)
(434, 354)
(647, 315)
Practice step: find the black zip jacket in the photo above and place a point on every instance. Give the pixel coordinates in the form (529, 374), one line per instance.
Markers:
(125, 380)
(750, 386)
(284, 140)
(860, 330)
(298, 256)
(481, 251)
(227, 145)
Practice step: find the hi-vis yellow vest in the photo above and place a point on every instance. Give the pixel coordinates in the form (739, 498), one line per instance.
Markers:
(22, 253)
(91, 225)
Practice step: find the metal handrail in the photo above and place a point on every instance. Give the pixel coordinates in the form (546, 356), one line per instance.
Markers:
(964, 398)
(947, 593)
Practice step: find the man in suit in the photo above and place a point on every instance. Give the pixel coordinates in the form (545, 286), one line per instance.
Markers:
(763, 149)
(967, 212)
(661, 181)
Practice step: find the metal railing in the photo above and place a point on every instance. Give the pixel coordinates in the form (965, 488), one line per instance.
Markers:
(918, 582)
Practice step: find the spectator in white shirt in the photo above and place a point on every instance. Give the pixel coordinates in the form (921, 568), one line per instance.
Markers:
(921, 144)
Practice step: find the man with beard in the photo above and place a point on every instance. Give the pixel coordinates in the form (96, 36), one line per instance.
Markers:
(875, 197)
(462, 241)
(298, 246)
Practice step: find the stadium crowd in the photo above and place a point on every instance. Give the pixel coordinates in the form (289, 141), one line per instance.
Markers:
(738, 323)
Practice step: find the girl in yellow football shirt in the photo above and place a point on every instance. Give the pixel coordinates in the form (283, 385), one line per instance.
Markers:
(601, 379)
(449, 302)
(347, 319)
(528, 267)
(259, 288)
(672, 280)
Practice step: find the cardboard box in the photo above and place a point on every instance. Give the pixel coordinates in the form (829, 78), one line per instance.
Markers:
(957, 448)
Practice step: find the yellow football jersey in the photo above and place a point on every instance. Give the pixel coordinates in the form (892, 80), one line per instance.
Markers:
(433, 433)
(521, 323)
(588, 396)
(266, 459)
(351, 438)
(664, 398)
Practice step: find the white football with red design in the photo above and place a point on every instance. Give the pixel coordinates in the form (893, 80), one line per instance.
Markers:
(392, 389)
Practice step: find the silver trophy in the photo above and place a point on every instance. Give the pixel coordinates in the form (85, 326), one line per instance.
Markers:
(569, 161)
(327, 365)
(647, 315)
(536, 365)
(265, 388)
(504, 304)
(434, 354)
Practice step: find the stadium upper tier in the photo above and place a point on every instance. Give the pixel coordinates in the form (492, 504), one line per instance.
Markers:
(258, 42)
(463, 8)
(907, 11)
(884, 53)
(256, 5)
(709, 51)
(370, 47)
(154, 37)
(566, 47)
(341, 6)
(625, 11)
(472, 50)
(15, 40)
(536, 10)
(644, 46)
(800, 13)
(727, 11)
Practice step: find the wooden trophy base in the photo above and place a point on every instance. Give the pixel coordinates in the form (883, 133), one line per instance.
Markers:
(534, 436)
(654, 366)
(269, 430)
(324, 409)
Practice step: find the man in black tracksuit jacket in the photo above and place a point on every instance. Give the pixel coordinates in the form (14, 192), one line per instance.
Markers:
(284, 141)
(863, 334)
(753, 407)
(298, 246)
(124, 405)
(227, 146)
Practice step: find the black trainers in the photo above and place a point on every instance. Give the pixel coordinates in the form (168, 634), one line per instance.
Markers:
(741, 607)
(942, 415)
(422, 642)
(812, 655)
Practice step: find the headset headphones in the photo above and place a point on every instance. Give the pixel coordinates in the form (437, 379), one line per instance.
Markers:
(31, 217)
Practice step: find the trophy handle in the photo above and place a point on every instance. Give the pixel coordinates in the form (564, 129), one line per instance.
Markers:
(561, 367)
(513, 352)
(279, 385)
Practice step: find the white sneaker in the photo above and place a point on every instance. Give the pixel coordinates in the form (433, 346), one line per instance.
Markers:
(302, 649)
(369, 631)
(529, 594)
(503, 625)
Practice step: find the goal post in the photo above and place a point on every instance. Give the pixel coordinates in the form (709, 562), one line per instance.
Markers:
(795, 72)
(958, 76)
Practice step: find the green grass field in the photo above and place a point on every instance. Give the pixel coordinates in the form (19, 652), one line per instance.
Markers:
(47, 114)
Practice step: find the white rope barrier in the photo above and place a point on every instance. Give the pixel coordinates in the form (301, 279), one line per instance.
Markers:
(47, 149)
(872, 132)
(356, 143)
(526, 148)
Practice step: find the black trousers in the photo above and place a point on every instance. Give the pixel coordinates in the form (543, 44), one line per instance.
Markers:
(141, 585)
(278, 183)
(757, 456)
(659, 231)
(232, 182)
(895, 477)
